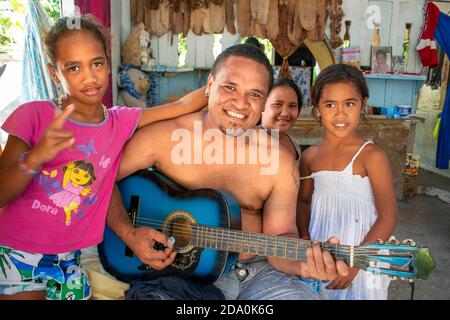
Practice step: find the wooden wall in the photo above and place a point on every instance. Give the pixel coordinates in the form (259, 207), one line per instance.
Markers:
(394, 15)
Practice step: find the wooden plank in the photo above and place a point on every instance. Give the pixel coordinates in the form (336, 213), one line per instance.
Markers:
(163, 50)
(172, 50)
(409, 13)
(155, 49)
(190, 45)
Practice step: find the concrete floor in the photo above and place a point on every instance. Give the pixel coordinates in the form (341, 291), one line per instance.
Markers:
(426, 220)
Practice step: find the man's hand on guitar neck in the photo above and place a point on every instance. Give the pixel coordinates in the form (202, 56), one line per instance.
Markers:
(320, 265)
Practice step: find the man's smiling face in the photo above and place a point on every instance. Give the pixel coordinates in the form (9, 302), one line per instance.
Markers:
(237, 93)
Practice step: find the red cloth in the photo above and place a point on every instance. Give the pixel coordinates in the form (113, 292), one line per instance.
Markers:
(427, 46)
(101, 9)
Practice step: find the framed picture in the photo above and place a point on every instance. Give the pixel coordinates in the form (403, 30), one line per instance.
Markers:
(381, 58)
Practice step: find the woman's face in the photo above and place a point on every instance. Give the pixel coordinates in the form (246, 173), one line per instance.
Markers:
(281, 110)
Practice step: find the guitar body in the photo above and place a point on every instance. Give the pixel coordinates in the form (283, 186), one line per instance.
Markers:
(155, 201)
(206, 226)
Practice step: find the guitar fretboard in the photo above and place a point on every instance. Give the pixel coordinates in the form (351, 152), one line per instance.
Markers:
(259, 244)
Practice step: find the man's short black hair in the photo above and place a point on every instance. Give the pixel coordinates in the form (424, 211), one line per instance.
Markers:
(247, 51)
(253, 41)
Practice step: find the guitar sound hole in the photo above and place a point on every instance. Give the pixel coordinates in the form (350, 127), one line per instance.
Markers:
(181, 229)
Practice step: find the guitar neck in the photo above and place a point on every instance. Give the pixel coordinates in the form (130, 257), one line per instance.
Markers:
(262, 244)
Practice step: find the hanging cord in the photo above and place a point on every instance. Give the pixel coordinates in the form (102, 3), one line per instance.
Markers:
(413, 286)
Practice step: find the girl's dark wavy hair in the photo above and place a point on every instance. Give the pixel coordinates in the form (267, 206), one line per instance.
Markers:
(66, 26)
(338, 73)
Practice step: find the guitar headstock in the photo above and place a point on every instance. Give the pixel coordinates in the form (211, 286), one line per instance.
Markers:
(399, 260)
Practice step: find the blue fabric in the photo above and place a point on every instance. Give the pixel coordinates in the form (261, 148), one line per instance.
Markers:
(442, 36)
(172, 287)
(36, 81)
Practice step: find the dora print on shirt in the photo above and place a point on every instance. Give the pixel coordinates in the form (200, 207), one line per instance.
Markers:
(64, 207)
(78, 176)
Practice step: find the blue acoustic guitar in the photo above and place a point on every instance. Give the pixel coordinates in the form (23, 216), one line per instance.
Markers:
(206, 226)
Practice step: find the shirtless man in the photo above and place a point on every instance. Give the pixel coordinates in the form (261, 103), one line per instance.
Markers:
(237, 90)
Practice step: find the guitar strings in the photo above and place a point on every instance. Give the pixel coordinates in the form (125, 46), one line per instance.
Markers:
(331, 247)
(342, 248)
(360, 263)
(215, 237)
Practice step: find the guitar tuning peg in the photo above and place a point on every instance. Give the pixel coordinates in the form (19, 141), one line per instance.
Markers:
(393, 240)
(409, 242)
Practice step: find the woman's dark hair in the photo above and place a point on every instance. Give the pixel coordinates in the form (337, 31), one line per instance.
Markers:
(285, 82)
(338, 73)
(66, 26)
(247, 51)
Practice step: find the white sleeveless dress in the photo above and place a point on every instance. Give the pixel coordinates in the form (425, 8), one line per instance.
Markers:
(343, 206)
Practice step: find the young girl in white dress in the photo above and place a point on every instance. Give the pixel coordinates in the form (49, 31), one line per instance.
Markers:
(346, 186)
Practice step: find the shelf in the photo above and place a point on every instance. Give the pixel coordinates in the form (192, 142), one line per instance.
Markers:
(397, 76)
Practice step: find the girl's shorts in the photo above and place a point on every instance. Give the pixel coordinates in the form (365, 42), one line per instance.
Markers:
(60, 275)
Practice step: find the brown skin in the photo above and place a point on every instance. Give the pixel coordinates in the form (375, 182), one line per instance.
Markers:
(80, 64)
(268, 203)
(81, 67)
(281, 112)
(339, 104)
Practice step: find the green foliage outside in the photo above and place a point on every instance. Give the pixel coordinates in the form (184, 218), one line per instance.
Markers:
(12, 15)
(53, 8)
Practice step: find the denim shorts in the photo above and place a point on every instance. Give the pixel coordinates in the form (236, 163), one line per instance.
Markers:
(60, 275)
(256, 279)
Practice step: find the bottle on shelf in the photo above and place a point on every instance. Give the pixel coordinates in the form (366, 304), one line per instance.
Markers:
(376, 35)
(406, 38)
(346, 43)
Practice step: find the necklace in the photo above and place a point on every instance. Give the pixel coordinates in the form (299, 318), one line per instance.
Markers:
(105, 110)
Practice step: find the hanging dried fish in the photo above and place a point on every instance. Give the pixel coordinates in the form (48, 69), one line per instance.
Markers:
(133, 11)
(206, 27)
(282, 44)
(186, 9)
(244, 16)
(318, 33)
(164, 9)
(140, 13)
(152, 4)
(158, 21)
(294, 31)
(260, 10)
(259, 30)
(199, 10)
(272, 26)
(229, 16)
(177, 17)
(336, 14)
(308, 14)
(217, 16)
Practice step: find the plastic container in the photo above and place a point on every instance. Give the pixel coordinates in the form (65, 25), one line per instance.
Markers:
(388, 112)
(403, 110)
